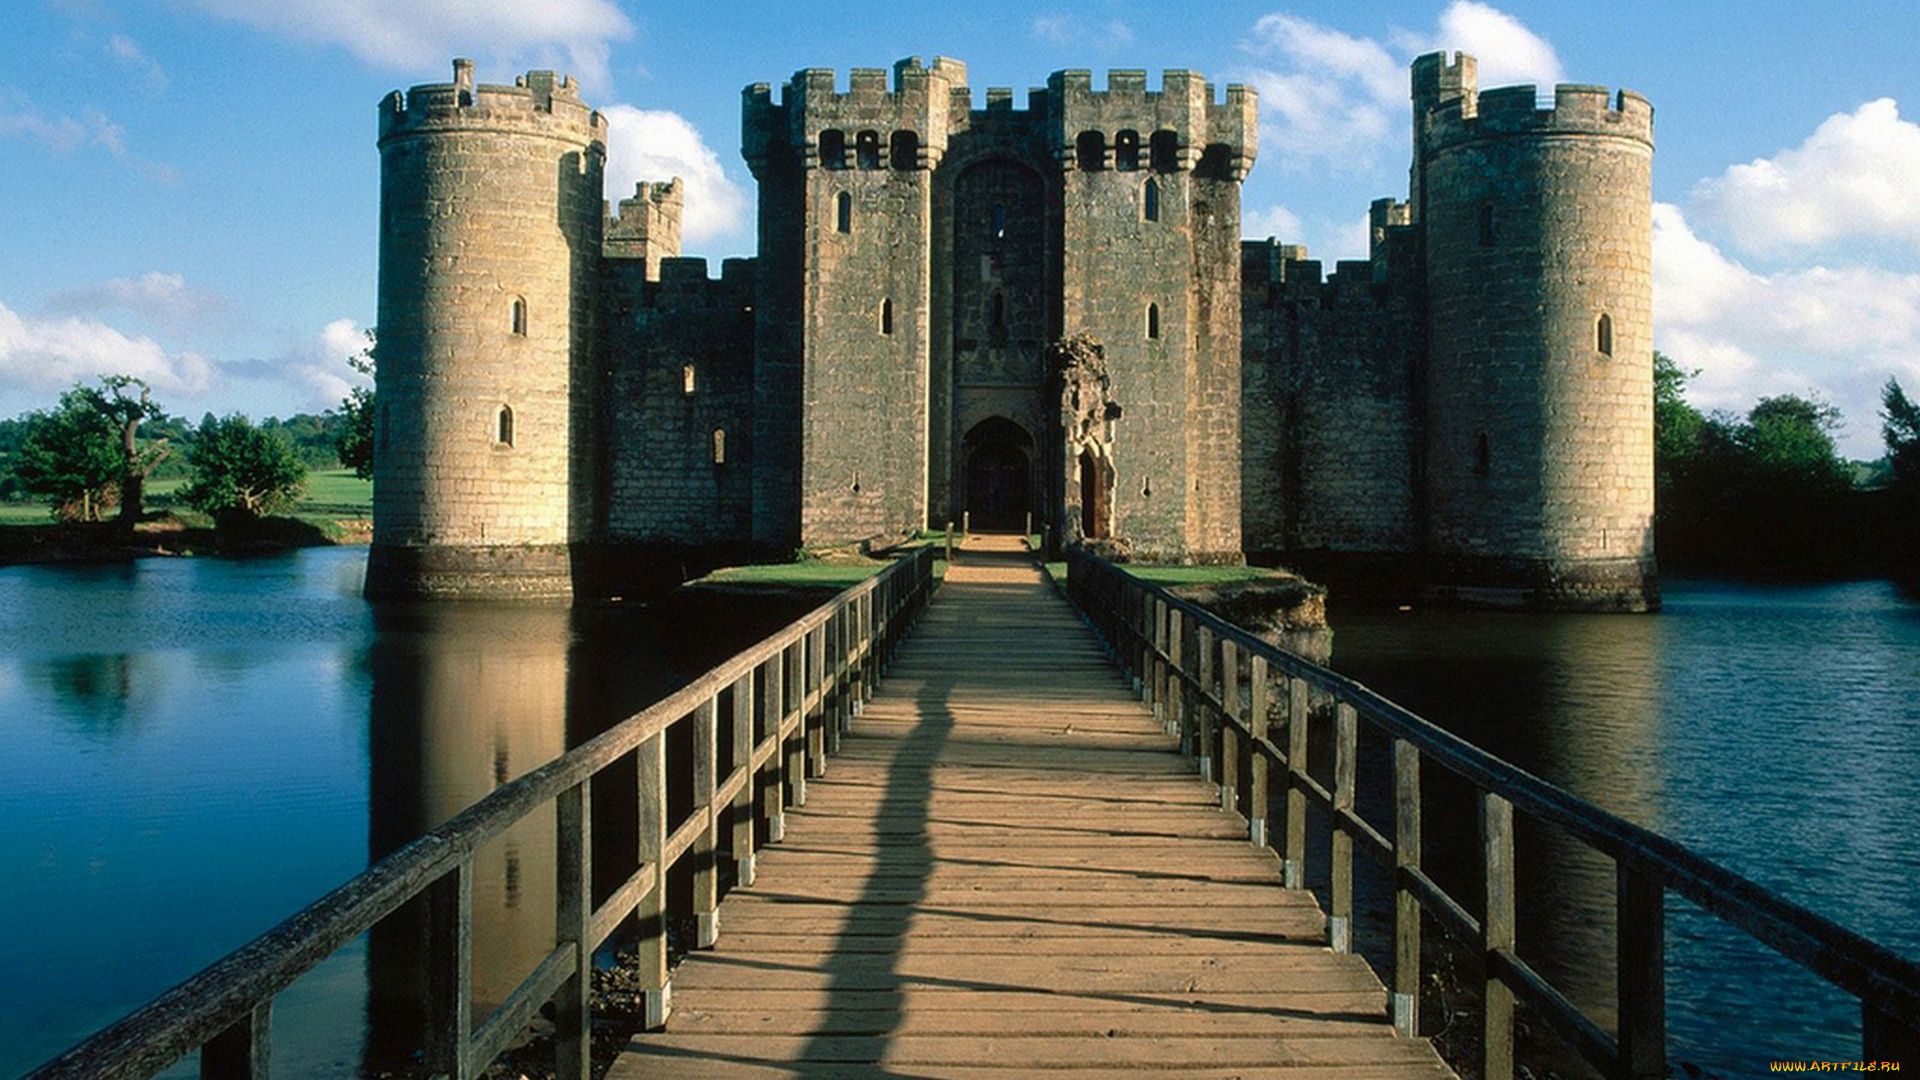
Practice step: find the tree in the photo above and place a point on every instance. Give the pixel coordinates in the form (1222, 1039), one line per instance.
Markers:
(356, 437)
(1677, 426)
(1900, 427)
(87, 455)
(241, 471)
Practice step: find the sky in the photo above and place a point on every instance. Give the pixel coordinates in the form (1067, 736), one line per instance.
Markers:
(189, 188)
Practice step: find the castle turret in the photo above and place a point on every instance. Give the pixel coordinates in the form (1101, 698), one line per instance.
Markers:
(1150, 249)
(491, 218)
(842, 391)
(1537, 238)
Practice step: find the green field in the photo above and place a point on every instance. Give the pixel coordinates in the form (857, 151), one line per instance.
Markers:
(336, 493)
(331, 494)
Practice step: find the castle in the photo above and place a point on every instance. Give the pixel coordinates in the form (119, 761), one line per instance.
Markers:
(1011, 315)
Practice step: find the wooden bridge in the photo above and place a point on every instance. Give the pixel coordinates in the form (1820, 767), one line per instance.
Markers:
(1008, 869)
(1008, 859)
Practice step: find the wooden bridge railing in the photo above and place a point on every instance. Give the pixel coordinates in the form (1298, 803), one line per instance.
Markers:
(1210, 682)
(787, 700)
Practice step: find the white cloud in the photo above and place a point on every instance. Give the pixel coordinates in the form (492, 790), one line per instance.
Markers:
(1835, 332)
(1069, 31)
(423, 34)
(1275, 222)
(64, 134)
(124, 49)
(1333, 98)
(50, 354)
(1508, 53)
(163, 299)
(651, 144)
(1851, 179)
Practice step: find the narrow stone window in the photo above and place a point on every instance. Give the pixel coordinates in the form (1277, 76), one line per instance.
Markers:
(503, 426)
(1482, 455)
(843, 212)
(1164, 148)
(686, 380)
(1150, 201)
(719, 446)
(1126, 150)
(518, 319)
(1603, 335)
(1153, 321)
(886, 316)
(833, 149)
(1091, 151)
(997, 322)
(999, 222)
(903, 152)
(1486, 225)
(866, 149)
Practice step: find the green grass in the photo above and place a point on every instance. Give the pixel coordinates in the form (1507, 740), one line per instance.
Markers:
(25, 513)
(336, 492)
(1201, 575)
(795, 573)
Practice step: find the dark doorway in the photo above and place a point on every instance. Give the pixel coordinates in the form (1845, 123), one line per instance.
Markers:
(999, 476)
(1094, 493)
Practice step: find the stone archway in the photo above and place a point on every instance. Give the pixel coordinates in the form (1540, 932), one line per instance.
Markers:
(999, 475)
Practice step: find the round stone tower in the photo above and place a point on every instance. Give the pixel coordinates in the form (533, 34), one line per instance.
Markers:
(490, 222)
(1537, 229)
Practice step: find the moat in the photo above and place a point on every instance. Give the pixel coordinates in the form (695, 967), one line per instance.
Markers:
(199, 747)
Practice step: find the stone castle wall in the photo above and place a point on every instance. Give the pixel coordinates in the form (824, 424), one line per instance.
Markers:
(678, 410)
(1330, 411)
(1539, 382)
(489, 250)
(1472, 402)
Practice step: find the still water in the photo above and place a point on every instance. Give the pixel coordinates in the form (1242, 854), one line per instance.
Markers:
(1773, 728)
(197, 748)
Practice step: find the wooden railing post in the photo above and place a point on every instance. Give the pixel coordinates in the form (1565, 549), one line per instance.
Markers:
(793, 690)
(650, 766)
(573, 925)
(1406, 903)
(1497, 935)
(1259, 791)
(706, 846)
(1346, 752)
(243, 1051)
(1170, 686)
(1642, 974)
(1202, 699)
(744, 863)
(1230, 748)
(1884, 1037)
(773, 696)
(1293, 865)
(818, 721)
(450, 973)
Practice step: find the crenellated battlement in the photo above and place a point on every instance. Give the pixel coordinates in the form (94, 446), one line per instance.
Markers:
(1276, 275)
(537, 102)
(1185, 109)
(875, 123)
(648, 225)
(1515, 111)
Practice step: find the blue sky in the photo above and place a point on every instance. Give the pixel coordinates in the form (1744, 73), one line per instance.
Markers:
(190, 186)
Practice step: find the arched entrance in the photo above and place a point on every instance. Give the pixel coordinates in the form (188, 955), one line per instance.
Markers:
(999, 475)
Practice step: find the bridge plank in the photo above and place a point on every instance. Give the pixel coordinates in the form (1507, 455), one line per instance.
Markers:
(1008, 870)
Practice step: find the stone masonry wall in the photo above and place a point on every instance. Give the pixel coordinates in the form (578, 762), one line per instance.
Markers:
(679, 408)
(1539, 440)
(490, 214)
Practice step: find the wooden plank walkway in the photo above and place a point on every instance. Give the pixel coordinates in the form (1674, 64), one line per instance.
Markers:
(1008, 871)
